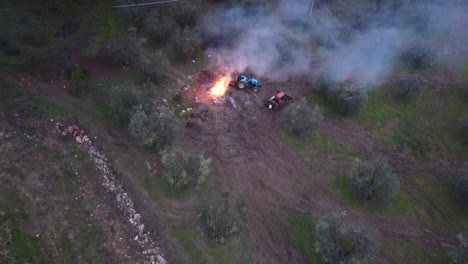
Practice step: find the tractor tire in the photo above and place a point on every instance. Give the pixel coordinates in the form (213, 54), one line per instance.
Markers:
(241, 85)
(255, 89)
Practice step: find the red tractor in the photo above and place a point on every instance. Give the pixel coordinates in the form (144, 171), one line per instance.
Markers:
(278, 100)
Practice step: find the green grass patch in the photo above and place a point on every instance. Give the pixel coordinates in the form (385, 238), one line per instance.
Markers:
(52, 109)
(440, 196)
(400, 205)
(186, 239)
(382, 108)
(301, 230)
(321, 142)
(200, 250)
(417, 254)
(23, 245)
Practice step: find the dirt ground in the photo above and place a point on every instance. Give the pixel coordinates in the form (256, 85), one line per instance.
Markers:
(256, 163)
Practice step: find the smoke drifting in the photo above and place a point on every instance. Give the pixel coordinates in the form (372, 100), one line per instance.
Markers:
(348, 40)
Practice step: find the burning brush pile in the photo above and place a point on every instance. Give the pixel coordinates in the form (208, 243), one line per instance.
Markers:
(215, 84)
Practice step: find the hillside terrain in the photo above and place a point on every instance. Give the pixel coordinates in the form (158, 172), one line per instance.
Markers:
(115, 148)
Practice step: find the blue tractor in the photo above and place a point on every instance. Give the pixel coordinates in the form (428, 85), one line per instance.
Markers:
(243, 81)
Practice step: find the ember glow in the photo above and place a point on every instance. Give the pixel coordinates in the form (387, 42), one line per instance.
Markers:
(220, 88)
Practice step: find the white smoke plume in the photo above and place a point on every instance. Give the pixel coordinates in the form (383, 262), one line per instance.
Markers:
(348, 40)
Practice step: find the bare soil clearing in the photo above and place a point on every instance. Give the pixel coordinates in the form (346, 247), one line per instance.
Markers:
(254, 161)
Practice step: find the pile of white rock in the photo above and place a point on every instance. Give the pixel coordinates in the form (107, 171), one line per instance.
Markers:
(110, 184)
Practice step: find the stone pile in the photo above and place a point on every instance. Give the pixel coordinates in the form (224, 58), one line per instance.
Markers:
(109, 182)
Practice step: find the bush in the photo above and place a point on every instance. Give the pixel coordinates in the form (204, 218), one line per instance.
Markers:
(153, 65)
(408, 87)
(155, 130)
(186, 13)
(338, 241)
(219, 221)
(303, 120)
(158, 28)
(123, 49)
(374, 181)
(123, 99)
(348, 98)
(464, 126)
(459, 186)
(183, 169)
(186, 44)
(418, 56)
(79, 78)
(459, 255)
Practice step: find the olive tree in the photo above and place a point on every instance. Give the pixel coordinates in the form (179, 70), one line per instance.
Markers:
(186, 44)
(122, 49)
(153, 65)
(220, 221)
(349, 99)
(374, 181)
(302, 120)
(338, 241)
(459, 186)
(418, 56)
(186, 13)
(155, 130)
(184, 168)
(122, 99)
(408, 87)
(158, 28)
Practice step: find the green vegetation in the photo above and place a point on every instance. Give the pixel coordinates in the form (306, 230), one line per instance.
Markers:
(339, 241)
(183, 169)
(408, 87)
(301, 120)
(301, 230)
(374, 182)
(346, 98)
(220, 220)
(155, 130)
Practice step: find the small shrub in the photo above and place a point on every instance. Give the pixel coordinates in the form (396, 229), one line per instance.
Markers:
(303, 120)
(183, 168)
(123, 49)
(459, 186)
(158, 28)
(79, 78)
(219, 221)
(374, 181)
(186, 44)
(153, 65)
(348, 98)
(418, 56)
(186, 13)
(408, 87)
(338, 241)
(155, 130)
(459, 254)
(123, 98)
(464, 126)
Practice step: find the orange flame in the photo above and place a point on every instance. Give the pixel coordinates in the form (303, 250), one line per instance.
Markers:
(220, 88)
